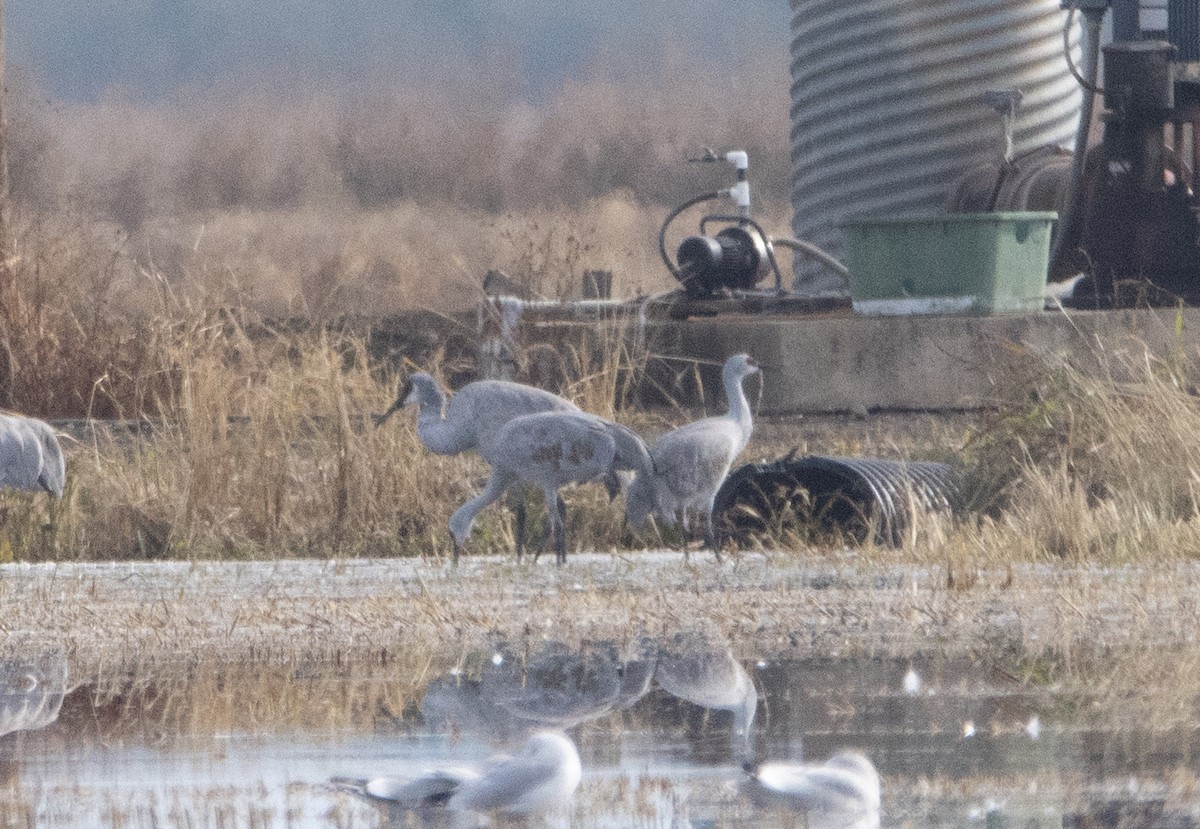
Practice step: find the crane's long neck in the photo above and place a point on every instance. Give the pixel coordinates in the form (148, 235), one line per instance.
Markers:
(739, 407)
(439, 435)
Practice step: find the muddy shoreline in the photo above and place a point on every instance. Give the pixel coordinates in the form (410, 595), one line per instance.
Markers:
(779, 606)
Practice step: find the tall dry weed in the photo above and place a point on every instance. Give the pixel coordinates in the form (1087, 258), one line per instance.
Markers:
(269, 454)
(1091, 463)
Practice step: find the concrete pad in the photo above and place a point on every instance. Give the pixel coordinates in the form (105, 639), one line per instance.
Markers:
(860, 364)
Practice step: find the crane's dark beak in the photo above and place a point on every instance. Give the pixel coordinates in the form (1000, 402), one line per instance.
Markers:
(401, 397)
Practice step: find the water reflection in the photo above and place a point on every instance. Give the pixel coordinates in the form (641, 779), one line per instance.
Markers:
(32, 687)
(661, 725)
(505, 691)
(564, 687)
(702, 670)
(553, 685)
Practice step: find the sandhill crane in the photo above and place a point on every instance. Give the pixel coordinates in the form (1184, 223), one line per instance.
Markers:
(539, 780)
(843, 792)
(473, 417)
(692, 461)
(30, 456)
(551, 450)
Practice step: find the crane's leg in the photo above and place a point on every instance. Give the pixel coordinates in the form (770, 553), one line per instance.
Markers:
(547, 534)
(710, 536)
(556, 508)
(521, 515)
(612, 485)
(463, 518)
(560, 549)
(685, 534)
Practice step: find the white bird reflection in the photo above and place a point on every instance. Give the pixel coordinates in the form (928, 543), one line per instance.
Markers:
(31, 690)
(539, 781)
(842, 793)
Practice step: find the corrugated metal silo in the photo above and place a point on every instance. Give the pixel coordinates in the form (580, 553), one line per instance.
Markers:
(887, 104)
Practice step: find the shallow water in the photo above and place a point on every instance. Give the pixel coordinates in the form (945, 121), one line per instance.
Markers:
(956, 743)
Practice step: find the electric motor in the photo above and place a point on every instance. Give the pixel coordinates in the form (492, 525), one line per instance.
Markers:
(735, 258)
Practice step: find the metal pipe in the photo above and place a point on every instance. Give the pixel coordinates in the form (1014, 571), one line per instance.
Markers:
(662, 231)
(1073, 201)
(824, 257)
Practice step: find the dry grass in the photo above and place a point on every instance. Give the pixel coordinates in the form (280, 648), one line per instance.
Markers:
(258, 444)
(148, 299)
(369, 200)
(1092, 465)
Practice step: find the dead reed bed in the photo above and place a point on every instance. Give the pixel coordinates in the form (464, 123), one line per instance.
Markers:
(255, 440)
(1091, 463)
(329, 200)
(256, 443)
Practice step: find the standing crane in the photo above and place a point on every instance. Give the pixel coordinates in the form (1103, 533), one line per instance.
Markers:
(691, 462)
(551, 450)
(30, 456)
(472, 418)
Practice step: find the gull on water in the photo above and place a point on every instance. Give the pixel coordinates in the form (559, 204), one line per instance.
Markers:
(844, 792)
(539, 781)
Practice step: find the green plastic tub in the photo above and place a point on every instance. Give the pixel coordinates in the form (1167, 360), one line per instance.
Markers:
(955, 263)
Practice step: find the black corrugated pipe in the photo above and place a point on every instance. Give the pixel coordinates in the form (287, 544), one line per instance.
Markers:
(855, 498)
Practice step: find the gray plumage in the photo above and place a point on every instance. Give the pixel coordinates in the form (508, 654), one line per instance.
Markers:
(691, 462)
(562, 686)
(842, 793)
(475, 413)
(473, 417)
(551, 450)
(431, 790)
(30, 456)
(31, 690)
(541, 779)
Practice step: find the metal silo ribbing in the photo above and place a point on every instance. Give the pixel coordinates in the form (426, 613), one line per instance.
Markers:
(887, 108)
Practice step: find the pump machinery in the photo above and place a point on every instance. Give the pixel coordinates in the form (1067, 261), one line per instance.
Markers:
(1128, 202)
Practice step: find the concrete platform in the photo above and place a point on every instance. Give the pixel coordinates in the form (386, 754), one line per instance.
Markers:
(861, 364)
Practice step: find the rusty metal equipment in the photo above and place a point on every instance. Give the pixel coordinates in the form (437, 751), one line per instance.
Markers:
(1128, 204)
(1139, 235)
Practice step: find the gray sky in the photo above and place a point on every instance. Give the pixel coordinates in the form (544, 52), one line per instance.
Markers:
(153, 48)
